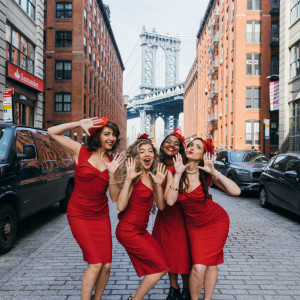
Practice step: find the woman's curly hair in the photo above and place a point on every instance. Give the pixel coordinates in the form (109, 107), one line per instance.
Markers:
(133, 151)
(203, 176)
(94, 142)
(181, 148)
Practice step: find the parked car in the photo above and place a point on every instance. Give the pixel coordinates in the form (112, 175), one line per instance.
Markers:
(35, 172)
(242, 166)
(280, 182)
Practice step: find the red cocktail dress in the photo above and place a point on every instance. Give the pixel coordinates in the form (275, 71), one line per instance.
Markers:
(207, 225)
(144, 251)
(169, 230)
(88, 211)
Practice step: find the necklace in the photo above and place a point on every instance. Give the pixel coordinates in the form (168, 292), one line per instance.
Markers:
(192, 172)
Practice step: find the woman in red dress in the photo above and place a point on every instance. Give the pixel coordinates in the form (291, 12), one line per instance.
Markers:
(88, 212)
(169, 228)
(139, 186)
(207, 222)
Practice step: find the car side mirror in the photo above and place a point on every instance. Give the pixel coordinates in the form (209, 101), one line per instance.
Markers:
(28, 152)
(291, 174)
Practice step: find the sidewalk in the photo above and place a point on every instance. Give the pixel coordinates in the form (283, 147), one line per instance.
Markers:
(262, 261)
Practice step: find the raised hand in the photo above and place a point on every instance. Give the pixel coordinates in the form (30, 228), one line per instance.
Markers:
(130, 167)
(160, 174)
(208, 163)
(178, 164)
(113, 166)
(86, 124)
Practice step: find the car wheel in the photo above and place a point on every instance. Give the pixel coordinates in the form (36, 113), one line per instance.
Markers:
(263, 198)
(8, 227)
(64, 203)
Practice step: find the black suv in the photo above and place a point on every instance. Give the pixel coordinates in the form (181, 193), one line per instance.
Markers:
(35, 172)
(242, 166)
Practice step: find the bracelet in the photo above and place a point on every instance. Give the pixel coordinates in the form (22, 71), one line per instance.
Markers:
(112, 183)
(174, 189)
(217, 176)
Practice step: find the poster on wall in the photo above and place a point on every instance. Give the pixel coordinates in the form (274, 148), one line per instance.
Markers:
(274, 95)
(7, 105)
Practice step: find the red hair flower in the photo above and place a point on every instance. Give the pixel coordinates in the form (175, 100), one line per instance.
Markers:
(105, 120)
(208, 146)
(177, 132)
(144, 136)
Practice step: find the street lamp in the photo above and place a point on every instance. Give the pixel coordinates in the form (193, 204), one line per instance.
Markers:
(75, 136)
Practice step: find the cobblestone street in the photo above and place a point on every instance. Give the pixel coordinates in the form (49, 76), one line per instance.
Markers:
(262, 258)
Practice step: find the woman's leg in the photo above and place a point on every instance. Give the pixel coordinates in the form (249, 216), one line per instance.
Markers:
(102, 281)
(147, 284)
(185, 280)
(89, 279)
(210, 281)
(173, 277)
(196, 280)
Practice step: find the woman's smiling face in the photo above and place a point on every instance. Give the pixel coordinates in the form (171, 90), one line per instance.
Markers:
(146, 156)
(171, 145)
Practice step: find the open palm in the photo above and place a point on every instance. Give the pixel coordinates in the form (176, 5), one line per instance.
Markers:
(160, 175)
(208, 163)
(130, 167)
(178, 164)
(86, 124)
(114, 165)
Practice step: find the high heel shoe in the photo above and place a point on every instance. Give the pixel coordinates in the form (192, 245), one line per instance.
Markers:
(174, 294)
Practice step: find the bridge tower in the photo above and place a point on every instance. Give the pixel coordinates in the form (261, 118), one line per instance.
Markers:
(150, 42)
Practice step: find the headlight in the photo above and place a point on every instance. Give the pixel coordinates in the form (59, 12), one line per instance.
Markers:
(241, 171)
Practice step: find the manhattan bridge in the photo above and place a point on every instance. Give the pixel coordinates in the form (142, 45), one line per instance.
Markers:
(157, 92)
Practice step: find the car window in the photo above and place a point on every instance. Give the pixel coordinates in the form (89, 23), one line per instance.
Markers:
(292, 164)
(220, 155)
(24, 137)
(6, 135)
(278, 163)
(248, 157)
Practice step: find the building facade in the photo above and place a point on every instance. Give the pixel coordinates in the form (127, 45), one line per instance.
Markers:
(84, 69)
(289, 89)
(21, 62)
(234, 63)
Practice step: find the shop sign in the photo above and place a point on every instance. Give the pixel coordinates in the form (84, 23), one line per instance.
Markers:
(24, 77)
(274, 95)
(7, 105)
(267, 128)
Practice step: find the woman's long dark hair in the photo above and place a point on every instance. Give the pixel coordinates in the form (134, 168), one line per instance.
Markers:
(161, 153)
(203, 176)
(94, 142)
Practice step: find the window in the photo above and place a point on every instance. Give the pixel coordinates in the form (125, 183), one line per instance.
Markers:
(253, 64)
(253, 4)
(63, 39)
(231, 101)
(292, 164)
(233, 8)
(90, 80)
(252, 133)
(253, 97)
(274, 32)
(232, 70)
(98, 66)
(45, 10)
(231, 134)
(295, 10)
(19, 50)
(232, 39)
(94, 57)
(63, 70)
(29, 7)
(253, 32)
(95, 85)
(95, 38)
(227, 47)
(222, 25)
(278, 163)
(84, 45)
(84, 75)
(90, 53)
(91, 5)
(64, 10)
(62, 102)
(95, 14)
(90, 27)
(295, 60)
(98, 44)
(227, 16)
(226, 78)
(226, 105)
(274, 67)
(85, 17)
(226, 136)
(294, 117)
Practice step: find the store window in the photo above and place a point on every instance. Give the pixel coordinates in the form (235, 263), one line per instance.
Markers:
(64, 10)
(19, 50)
(63, 39)
(62, 102)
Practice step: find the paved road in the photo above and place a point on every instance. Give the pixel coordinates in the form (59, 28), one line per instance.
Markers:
(262, 257)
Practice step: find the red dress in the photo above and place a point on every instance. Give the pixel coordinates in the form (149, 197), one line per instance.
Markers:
(207, 225)
(144, 252)
(169, 230)
(88, 212)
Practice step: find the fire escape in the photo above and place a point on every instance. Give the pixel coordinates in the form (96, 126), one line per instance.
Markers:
(212, 118)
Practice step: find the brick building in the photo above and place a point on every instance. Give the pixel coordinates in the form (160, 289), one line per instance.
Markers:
(234, 51)
(21, 62)
(84, 69)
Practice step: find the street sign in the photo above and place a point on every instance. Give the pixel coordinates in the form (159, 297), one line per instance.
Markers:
(267, 128)
(7, 105)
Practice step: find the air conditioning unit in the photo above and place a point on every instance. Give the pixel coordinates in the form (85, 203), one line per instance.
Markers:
(220, 115)
(221, 61)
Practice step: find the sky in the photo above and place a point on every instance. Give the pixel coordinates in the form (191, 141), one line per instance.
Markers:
(175, 17)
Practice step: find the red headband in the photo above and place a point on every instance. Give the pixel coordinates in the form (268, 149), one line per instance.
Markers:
(144, 136)
(105, 120)
(177, 132)
(208, 146)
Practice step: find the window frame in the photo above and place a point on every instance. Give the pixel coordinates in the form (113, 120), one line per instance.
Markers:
(64, 39)
(64, 10)
(64, 70)
(63, 102)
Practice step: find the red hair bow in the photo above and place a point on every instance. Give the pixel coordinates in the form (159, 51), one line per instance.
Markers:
(144, 136)
(178, 133)
(208, 146)
(104, 122)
